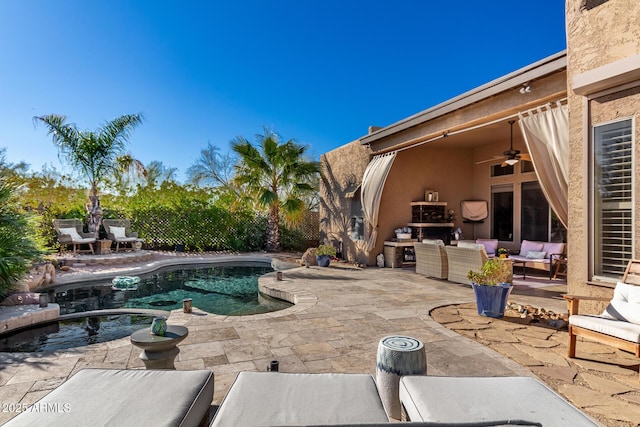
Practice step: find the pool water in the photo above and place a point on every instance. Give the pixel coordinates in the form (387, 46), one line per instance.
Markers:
(73, 333)
(225, 290)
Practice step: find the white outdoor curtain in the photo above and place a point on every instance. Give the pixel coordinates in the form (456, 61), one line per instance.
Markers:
(546, 133)
(371, 192)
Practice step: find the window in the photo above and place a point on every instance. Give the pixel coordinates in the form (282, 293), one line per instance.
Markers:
(499, 170)
(502, 212)
(611, 187)
(534, 213)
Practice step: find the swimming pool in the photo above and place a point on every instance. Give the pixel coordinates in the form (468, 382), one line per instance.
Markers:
(230, 290)
(73, 333)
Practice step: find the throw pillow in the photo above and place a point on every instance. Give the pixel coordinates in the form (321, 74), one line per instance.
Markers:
(118, 232)
(71, 232)
(536, 255)
(625, 304)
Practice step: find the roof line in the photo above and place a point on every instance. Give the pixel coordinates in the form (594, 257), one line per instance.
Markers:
(517, 78)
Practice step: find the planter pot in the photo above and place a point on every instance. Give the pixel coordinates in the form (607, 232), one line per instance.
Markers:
(323, 260)
(491, 300)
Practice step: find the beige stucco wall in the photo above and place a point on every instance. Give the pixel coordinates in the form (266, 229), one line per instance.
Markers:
(342, 171)
(447, 171)
(598, 33)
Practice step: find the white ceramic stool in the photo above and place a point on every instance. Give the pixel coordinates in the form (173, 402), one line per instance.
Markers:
(397, 356)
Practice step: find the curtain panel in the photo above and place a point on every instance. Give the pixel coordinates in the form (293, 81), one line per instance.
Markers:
(371, 192)
(546, 134)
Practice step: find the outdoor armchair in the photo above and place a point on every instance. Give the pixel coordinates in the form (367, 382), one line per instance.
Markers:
(431, 259)
(619, 324)
(119, 231)
(462, 258)
(70, 232)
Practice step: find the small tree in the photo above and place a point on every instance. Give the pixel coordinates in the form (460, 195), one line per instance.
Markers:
(95, 154)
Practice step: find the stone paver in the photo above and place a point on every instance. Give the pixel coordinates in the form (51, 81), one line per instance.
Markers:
(340, 315)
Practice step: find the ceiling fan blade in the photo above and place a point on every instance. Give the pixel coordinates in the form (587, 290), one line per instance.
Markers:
(490, 160)
(525, 156)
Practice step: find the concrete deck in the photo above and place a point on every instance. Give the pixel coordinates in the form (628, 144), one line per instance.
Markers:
(341, 313)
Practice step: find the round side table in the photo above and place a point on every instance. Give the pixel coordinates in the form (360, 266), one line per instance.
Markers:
(397, 356)
(159, 352)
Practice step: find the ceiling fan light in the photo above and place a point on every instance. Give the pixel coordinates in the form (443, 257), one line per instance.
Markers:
(511, 162)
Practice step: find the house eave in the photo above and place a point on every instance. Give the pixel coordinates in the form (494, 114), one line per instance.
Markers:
(544, 67)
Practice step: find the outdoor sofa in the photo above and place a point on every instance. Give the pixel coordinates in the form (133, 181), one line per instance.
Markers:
(182, 398)
(540, 255)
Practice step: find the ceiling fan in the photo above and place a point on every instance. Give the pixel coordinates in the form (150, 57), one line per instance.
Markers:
(511, 156)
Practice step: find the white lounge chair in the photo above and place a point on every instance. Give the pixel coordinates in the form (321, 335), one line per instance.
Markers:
(70, 232)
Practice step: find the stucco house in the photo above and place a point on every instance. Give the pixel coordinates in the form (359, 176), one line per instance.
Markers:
(579, 187)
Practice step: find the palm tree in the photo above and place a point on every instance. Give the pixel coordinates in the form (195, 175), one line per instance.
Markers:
(278, 176)
(96, 154)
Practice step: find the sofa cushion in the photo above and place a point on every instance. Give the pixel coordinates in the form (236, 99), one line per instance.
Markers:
(275, 398)
(490, 245)
(553, 248)
(477, 399)
(528, 245)
(625, 304)
(125, 398)
(616, 328)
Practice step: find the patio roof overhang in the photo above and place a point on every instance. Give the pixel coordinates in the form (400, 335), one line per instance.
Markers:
(388, 138)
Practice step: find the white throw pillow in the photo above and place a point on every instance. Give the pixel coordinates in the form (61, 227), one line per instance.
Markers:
(536, 255)
(625, 304)
(71, 232)
(118, 232)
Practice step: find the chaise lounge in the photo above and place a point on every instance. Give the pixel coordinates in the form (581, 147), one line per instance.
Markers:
(183, 398)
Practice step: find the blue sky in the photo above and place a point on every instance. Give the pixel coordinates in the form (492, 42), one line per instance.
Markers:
(320, 72)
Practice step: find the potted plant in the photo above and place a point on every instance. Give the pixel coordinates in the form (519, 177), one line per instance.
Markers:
(324, 253)
(503, 252)
(491, 287)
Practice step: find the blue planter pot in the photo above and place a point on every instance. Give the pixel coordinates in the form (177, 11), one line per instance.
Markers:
(323, 260)
(492, 300)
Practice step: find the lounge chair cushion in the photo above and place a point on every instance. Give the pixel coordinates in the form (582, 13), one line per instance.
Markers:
(118, 232)
(125, 398)
(616, 328)
(279, 399)
(477, 399)
(625, 304)
(71, 232)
